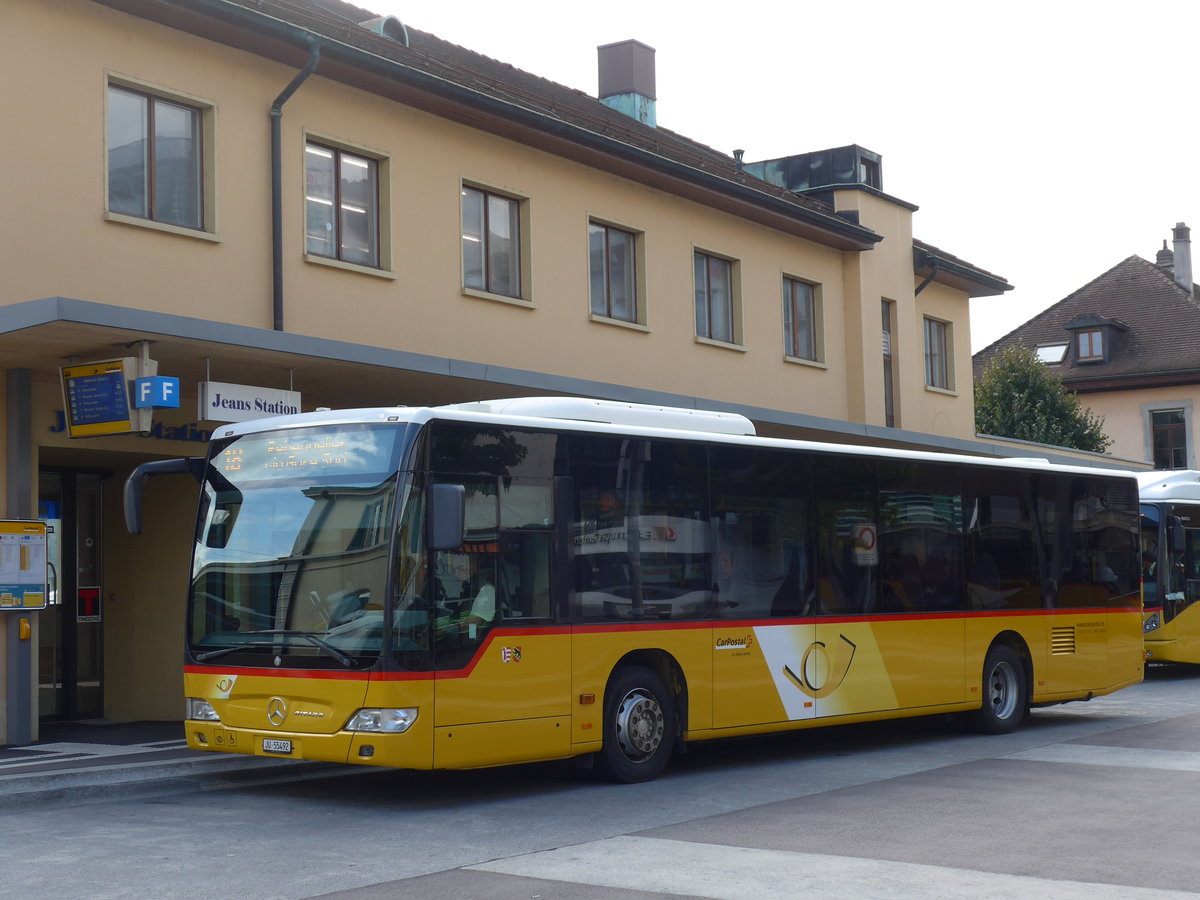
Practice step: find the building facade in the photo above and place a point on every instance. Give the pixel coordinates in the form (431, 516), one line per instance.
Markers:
(1128, 343)
(304, 198)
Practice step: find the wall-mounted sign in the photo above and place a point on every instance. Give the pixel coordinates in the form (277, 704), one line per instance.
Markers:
(156, 392)
(96, 396)
(220, 402)
(87, 608)
(22, 565)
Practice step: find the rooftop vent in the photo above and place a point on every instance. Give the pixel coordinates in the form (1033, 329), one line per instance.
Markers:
(388, 26)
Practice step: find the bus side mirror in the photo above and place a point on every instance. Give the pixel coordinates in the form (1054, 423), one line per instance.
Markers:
(445, 525)
(193, 466)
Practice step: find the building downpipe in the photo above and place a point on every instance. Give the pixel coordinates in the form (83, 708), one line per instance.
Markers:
(314, 56)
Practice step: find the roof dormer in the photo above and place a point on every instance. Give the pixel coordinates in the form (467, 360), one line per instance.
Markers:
(1093, 338)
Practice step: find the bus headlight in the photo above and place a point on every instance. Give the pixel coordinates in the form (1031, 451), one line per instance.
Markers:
(386, 721)
(201, 710)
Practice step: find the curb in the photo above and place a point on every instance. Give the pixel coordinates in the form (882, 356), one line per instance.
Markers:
(139, 780)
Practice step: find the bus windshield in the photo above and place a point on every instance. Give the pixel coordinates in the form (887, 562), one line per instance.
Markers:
(291, 549)
(1170, 557)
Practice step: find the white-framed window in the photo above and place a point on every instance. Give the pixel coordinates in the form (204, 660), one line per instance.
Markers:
(158, 151)
(717, 313)
(938, 350)
(492, 242)
(614, 272)
(1169, 438)
(801, 319)
(342, 204)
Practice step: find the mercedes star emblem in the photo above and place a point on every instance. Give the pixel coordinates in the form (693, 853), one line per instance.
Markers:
(276, 711)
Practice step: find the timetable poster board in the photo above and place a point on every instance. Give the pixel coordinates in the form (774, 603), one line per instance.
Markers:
(96, 397)
(22, 565)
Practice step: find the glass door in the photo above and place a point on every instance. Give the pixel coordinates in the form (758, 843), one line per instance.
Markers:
(69, 641)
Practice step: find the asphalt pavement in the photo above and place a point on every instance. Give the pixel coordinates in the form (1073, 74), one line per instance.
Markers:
(97, 760)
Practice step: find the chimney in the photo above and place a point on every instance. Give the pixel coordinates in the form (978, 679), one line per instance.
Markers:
(1165, 259)
(627, 79)
(1183, 257)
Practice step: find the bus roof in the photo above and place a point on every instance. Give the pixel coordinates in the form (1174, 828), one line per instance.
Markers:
(618, 418)
(1177, 484)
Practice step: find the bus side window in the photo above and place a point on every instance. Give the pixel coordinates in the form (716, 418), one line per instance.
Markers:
(845, 492)
(760, 533)
(526, 547)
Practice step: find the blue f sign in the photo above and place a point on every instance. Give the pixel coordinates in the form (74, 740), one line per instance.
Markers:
(157, 391)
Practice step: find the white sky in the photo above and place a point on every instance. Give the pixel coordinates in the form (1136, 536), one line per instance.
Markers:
(1044, 141)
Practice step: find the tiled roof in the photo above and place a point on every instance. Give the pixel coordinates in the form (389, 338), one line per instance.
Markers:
(443, 59)
(1162, 322)
(471, 77)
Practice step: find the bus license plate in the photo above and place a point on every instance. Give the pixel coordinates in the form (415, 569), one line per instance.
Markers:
(272, 745)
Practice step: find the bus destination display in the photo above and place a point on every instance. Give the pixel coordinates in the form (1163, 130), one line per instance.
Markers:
(311, 452)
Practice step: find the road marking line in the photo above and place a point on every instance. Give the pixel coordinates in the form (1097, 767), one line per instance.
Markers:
(48, 753)
(721, 872)
(1097, 755)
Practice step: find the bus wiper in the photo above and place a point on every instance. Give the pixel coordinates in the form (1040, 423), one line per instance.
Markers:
(213, 654)
(344, 658)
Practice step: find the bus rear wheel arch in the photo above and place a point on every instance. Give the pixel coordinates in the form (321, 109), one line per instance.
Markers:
(1004, 687)
(640, 725)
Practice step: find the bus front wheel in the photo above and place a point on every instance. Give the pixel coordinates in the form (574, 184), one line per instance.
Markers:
(1005, 693)
(639, 726)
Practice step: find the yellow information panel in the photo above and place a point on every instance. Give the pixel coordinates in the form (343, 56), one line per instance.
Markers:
(22, 565)
(96, 396)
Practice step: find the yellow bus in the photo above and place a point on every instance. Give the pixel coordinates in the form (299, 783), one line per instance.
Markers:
(543, 578)
(1170, 517)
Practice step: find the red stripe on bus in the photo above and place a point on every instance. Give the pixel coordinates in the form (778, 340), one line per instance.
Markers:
(320, 674)
(509, 633)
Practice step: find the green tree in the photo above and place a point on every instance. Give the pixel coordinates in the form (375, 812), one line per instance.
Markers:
(1018, 396)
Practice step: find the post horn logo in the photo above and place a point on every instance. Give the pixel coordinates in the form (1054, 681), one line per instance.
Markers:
(276, 711)
(837, 667)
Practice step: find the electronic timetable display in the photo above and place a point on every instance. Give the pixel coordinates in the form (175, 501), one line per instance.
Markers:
(96, 397)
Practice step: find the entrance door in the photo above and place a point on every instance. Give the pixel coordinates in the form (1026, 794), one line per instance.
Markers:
(69, 645)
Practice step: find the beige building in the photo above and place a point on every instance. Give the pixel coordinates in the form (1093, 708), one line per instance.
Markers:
(296, 197)
(1128, 343)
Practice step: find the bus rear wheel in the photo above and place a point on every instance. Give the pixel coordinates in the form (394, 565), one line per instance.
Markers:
(639, 726)
(1005, 693)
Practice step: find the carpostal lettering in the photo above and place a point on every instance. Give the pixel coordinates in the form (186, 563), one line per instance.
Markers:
(735, 643)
